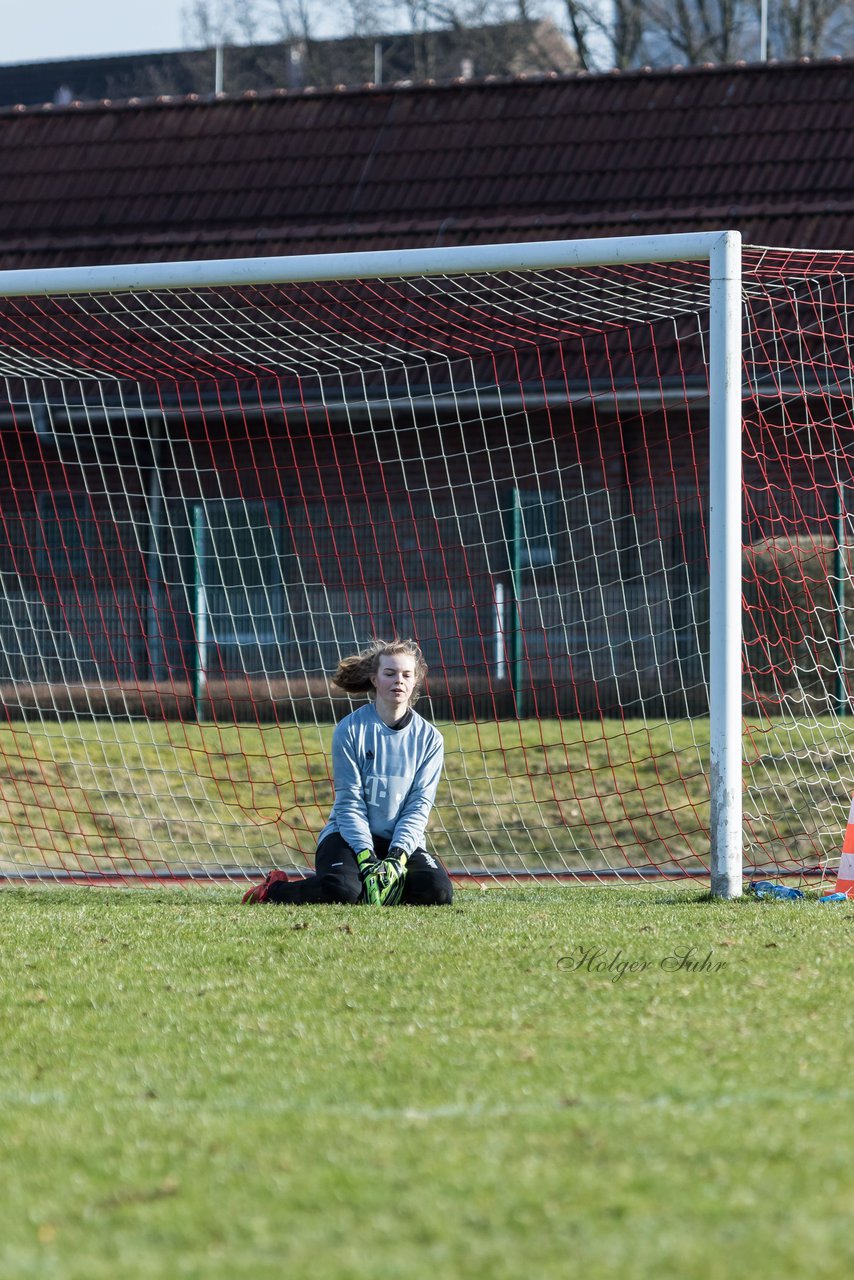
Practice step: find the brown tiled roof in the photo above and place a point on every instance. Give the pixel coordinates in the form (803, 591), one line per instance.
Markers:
(766, 149)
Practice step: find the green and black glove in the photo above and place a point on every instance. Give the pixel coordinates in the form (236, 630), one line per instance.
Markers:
(382, 878)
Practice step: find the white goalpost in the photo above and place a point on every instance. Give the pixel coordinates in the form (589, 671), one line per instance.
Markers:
(219, 476)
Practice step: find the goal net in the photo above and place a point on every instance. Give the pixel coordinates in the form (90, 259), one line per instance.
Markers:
(211, 494)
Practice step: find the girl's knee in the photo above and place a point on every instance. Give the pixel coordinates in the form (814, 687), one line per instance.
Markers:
(432, 891)
(344, 889)
(443, 897)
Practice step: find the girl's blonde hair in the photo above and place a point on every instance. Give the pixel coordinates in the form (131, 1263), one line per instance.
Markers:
(354, 673)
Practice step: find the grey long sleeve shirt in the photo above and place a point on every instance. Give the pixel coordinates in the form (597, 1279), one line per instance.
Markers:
(385, 779)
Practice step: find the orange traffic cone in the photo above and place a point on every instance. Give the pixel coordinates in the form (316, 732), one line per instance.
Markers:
(845, 875)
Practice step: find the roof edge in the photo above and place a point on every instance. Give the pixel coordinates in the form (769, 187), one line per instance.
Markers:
(458, 84)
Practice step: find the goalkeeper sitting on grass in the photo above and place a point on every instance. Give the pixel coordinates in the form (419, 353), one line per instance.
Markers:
(386, 761)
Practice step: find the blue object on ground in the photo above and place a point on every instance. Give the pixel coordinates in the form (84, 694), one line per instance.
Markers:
(834, 897)
(767, 889)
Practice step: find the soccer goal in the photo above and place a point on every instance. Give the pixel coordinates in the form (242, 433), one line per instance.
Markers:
(604, 484)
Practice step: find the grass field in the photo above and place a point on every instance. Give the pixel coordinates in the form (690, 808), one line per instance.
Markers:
(194, 1089)
(132, 795)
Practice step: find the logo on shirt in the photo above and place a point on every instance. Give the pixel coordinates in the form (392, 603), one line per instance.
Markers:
(385, 793)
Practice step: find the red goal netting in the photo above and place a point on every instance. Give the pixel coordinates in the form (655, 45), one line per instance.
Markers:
(209, 496)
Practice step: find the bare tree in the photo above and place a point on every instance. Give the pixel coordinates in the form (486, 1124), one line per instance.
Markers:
(246, 19)
(606, 35)
(363, 17)
(811, 28)
(584, 26)
(602, 33)
(488, 36)
(291, 19)
(695, 31)
(207, 22)
(721, 31)
(503, 36)
(202, 22)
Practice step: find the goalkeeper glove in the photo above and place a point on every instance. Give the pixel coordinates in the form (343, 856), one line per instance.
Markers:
(382, 880)
(390, 872)
(366, 861)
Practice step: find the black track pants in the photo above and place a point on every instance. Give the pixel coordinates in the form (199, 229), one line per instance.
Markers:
(336, 877)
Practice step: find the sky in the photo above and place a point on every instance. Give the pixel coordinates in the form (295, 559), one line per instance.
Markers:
(35, 30)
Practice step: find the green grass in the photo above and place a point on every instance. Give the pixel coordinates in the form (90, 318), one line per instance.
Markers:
(131, 795)
(189, 1088)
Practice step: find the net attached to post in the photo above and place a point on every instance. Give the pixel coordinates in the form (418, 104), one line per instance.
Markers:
(798, 597)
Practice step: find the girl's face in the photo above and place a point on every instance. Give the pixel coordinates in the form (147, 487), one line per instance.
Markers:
(395, 680)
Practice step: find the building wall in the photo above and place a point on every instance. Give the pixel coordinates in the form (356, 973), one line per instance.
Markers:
(316, 536)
